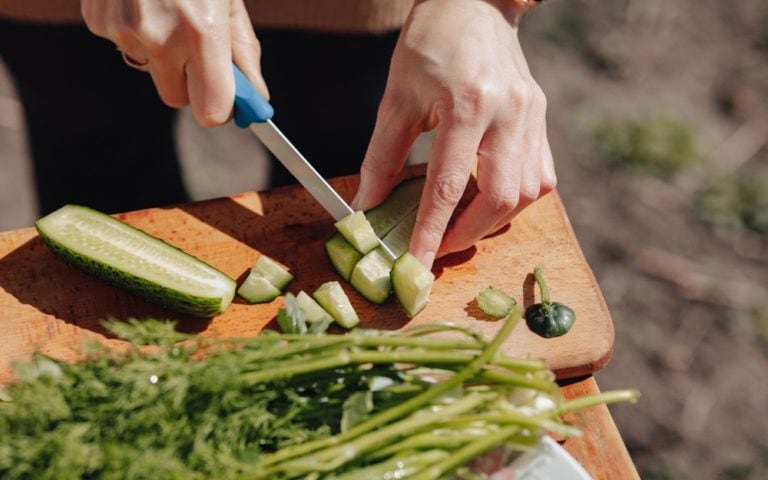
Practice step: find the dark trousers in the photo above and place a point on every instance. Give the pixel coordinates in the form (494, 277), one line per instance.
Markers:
(100, 136)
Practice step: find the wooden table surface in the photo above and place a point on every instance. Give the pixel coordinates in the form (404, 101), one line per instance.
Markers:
(600, 449)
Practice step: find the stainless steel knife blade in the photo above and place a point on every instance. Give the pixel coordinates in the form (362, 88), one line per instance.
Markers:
(305, 173)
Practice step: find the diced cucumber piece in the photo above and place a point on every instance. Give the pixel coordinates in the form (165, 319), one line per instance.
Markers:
(399, 237)
(412, 283)
(495, 302)
(403, 199)
(342, 254)
(312, 310)
(258, 289)
(332, 298)
(136, 261)
(370, 276)
(291, 317)
(273, 272)
(357, 231)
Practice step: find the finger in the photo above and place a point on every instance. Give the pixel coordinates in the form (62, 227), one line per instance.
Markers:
(166, 65)
(499, 180)
(246, 50)
(450, 162)
(211, 90)
(392, 138)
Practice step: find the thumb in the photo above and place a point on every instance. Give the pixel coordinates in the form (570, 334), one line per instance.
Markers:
(246, 50)
(387, 152)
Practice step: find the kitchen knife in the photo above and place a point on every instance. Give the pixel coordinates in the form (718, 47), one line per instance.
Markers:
(252, 111)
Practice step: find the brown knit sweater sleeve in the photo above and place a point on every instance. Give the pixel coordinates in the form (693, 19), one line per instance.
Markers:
(326, 15)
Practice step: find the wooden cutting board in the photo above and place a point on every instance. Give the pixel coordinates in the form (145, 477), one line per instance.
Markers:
(47, 306)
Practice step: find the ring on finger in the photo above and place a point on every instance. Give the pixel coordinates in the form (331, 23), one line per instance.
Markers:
(141, 65)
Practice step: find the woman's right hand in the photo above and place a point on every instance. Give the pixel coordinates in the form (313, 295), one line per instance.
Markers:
(188, 46)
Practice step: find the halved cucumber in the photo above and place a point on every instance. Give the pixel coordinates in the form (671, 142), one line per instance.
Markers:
(258, 289)
(404, 199)
(273, 272)
(357, 231)
(136, 261)
(370, 276)
(412, 283)
(332, 298)
(342, 254)
(312, 310)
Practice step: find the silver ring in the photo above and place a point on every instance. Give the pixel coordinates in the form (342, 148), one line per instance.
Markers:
(142, 66)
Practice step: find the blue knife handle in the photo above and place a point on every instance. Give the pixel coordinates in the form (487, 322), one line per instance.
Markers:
(250, 106)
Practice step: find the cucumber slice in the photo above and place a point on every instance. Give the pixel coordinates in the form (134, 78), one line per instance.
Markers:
(495, 302)
(272, 271)
(371, 275)
(332, 298)
(404, 198)
(399, 237)
(357, 231)
(412, 283)
(258, 289)
(312, 310)
(129, 258)
(342, 254)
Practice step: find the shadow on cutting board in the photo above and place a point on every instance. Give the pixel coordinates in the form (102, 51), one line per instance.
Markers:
(36, 278)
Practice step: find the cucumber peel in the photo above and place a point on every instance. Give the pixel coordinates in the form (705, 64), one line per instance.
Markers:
(128, 258)
(342, 254)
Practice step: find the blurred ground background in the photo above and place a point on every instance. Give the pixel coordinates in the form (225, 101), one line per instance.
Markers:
(658, 124)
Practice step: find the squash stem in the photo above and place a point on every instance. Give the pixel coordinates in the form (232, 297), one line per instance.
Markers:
(539, 276)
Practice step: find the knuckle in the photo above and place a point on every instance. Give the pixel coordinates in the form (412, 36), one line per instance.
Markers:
(548, 183)
(529, 192)
(211, 118)
(472, 100)
(448, 189)
(502, 202)
(538, 96)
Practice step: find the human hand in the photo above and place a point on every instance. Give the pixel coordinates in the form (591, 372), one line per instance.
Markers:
(458, 68)
(188, 47)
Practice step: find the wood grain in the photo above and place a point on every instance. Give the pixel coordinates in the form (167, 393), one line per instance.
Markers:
(47, 306)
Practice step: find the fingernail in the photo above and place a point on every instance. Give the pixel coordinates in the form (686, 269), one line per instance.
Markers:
(428, 259)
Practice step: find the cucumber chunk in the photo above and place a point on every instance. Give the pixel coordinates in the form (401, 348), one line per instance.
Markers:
(258, 289)
(129, 258)
(371, 275)
(332, 298)
(273, 272)
(399, 237)
(403, 199)
(357, 231)
(495, 302)
(342, 254)
(312, 310)
(412, 283)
